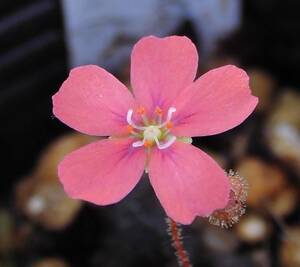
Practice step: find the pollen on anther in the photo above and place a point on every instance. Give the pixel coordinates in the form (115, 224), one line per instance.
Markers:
(169, 125)
(158, 111)
(141, 110)
(129, 128)
(148, 143)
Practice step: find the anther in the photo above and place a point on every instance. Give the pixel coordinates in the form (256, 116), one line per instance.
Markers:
(148, 143)
(158, 111)
(169, 125)
(141, 110)
(129, 128)
(169, 116)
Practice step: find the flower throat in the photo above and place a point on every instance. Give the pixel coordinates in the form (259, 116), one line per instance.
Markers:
(151, 132)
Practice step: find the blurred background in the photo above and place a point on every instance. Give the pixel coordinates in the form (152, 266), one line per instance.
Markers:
(40, 40)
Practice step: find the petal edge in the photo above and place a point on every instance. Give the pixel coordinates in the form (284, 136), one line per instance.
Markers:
(102, 172)
(93, 101)
(161, 68)
(216, 102)
(187, 182)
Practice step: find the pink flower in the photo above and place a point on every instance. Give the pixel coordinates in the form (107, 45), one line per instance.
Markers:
(151, 128)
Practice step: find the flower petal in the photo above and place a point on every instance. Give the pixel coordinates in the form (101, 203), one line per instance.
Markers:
(218, 101)
(160, 68)
(93, 101)
(103, 172)
(187, 182)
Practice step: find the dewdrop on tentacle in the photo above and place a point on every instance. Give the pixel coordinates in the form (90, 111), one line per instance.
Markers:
(236, 205)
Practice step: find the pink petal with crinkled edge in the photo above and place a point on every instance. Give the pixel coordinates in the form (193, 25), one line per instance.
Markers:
(218, 101)
(103, 172)
(187, 182)
(161, 68)
(93, 101)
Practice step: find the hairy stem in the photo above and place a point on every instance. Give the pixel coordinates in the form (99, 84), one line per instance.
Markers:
(174, 230)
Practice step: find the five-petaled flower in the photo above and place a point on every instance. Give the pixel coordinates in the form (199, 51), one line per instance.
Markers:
(152, 128)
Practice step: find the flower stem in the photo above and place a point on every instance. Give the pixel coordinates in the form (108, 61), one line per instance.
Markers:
(174, 230)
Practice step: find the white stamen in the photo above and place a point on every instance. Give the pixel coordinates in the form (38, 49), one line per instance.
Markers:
(130, 122)
(169, 117)
(170, 112)
(170, 141)
(138, 143)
